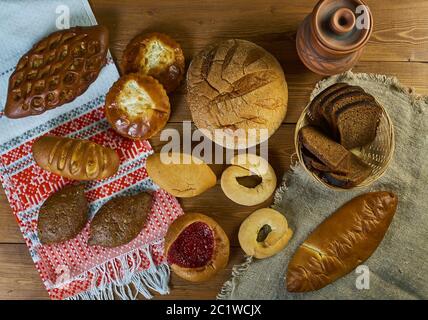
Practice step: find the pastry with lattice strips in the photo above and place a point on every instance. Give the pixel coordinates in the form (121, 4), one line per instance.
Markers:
(58, 69)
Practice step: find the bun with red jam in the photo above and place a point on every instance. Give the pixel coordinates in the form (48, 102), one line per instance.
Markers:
(196, 247)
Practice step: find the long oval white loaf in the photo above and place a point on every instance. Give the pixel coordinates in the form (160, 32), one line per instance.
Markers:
(342, 242)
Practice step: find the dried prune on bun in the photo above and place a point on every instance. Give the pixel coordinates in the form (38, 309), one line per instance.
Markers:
(137, 106)
(157, 55)
(264, 233)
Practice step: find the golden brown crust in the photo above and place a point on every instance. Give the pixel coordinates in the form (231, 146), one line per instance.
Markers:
(182, 180)
(235, 86)
(157, 55)
(220, 255)
(343, 241)
(277, 238)
(75, 158)
(56, 70)
(137, 106)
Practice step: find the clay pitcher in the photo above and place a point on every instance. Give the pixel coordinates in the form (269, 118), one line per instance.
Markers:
(331, 39)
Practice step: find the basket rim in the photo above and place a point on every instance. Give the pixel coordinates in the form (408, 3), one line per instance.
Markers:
(301, 123)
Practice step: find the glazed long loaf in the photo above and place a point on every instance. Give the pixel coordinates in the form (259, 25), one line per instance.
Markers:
(342, 242)
(74, 158)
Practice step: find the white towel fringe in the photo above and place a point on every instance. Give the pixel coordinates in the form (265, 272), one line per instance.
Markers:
(122, 279)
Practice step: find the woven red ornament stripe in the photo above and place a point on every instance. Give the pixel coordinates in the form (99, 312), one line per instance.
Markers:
(73, 268)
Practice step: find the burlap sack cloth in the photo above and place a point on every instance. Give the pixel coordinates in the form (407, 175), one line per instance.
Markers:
(399, 267)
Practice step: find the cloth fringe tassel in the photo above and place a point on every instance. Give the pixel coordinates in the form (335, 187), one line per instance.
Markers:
(122, 279)
(237, 271)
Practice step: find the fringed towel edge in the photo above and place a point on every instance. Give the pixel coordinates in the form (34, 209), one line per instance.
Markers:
(237, 271)
(127, 282)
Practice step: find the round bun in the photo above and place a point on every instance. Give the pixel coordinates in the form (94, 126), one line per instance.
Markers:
(264, 233)
(244, 165)
(157, 55)
(137, 106)
(196, 247)
(235, 89)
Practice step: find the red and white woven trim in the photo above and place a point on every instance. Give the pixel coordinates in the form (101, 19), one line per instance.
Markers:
(72, 268)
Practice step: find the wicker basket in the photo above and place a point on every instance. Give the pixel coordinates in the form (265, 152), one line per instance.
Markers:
(377, 154)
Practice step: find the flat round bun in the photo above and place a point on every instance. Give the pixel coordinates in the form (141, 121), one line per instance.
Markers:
(157, 55)
(245, 165)
(196, 247)
(264, 233)
(234, 85)
(137, 106)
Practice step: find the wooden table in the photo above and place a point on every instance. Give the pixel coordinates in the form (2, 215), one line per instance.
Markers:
(398, 46)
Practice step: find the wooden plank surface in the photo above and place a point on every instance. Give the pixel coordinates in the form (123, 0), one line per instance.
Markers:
(398, 46)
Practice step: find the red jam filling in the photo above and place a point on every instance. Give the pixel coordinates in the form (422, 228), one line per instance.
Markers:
(194, 247)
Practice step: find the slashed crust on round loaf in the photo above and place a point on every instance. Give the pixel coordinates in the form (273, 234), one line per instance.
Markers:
(234, 85)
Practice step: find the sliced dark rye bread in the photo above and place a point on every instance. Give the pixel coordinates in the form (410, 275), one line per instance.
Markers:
(316, 118)
(357, 123)
(327, 102)
(329, 152)
(315, 165)
(312, 163)
(358, 172)
(342, 101)
(330, 161)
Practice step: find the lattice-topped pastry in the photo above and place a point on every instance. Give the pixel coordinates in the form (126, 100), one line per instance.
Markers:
(56, 70)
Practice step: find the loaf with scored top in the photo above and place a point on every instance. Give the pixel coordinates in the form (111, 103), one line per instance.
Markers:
(75, 158)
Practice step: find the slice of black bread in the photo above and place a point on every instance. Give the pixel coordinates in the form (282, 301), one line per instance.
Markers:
(312, 163)
(329, 152)
(315, 165)
(357, 123)
(357, 173)
(342, 101)
(316, 117)
(326, 106)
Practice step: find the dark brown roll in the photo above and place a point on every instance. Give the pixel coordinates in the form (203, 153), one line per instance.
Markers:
(343, 241)
(120, 220)
(137, 106)
(58, 69)
(63, 215)
(74, 158)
